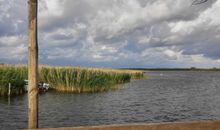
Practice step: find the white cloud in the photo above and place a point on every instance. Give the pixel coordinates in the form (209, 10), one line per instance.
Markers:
(118, 33)
(13, 48)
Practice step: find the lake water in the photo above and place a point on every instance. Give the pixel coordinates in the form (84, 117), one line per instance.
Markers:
(161, 97)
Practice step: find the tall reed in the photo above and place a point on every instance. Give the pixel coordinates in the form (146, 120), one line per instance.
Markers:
(15, 76)
(67, 79)
(83, 80)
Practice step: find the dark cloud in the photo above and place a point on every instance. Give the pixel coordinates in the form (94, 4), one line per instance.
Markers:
(122, 33)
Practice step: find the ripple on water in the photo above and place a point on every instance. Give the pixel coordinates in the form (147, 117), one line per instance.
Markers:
(163, 96)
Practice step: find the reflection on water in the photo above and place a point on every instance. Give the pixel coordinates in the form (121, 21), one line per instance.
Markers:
(163, 96)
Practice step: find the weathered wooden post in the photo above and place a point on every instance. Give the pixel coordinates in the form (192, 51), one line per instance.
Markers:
(9, 93)
(32, 65)
(9, 89)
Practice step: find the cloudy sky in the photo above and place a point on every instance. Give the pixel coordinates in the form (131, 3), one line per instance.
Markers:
(114, 33)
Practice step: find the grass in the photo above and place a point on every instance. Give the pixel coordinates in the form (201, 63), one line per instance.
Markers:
(67, 79)
(15, 76)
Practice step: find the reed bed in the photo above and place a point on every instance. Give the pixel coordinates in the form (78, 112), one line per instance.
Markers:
(68, 79)
(15, 76)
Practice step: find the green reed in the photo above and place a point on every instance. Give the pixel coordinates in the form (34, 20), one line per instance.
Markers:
(15, 76)
(81, 79)
(67, 79)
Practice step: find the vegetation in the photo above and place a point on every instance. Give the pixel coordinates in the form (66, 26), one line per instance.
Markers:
(15, 76)
(67, 79)
(79, 80)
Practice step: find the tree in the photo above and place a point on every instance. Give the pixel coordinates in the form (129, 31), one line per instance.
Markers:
(196, 2)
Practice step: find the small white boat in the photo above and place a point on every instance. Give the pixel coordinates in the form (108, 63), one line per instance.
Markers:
(42, 87)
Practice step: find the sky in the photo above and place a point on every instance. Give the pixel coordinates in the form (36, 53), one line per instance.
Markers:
(115, 33)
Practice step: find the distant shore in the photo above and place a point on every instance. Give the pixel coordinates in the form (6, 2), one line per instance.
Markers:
(176, 69)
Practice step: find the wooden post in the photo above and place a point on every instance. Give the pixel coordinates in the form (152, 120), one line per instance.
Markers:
(9, 89)
(32, 65)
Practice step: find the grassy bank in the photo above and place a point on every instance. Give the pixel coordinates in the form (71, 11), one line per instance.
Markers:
(15, 76)
(79, 80)
(67, 79)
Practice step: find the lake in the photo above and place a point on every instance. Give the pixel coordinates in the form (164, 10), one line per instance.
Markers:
(163, 96)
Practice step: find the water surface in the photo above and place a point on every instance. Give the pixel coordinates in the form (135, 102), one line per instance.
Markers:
(161, 97)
